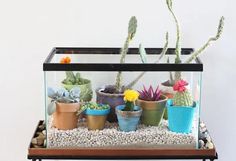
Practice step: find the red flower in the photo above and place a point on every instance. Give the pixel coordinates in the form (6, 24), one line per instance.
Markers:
(180, 86)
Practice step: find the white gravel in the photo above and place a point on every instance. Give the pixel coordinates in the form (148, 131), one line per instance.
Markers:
(149, 136)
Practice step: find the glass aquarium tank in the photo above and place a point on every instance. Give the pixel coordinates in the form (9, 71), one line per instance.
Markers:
(94, 101)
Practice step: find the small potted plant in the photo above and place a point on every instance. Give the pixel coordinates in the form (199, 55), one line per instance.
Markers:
(75, 80)
(153, 105)
(181, 109)
(167, 86)
(64, 106)
(96, 115)
(129, 114)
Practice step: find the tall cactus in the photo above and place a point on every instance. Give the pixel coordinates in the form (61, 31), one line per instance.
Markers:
(178, 45)
(143, 55)
(177, 75)
(182, 96)
(131, 32)
(218, 34)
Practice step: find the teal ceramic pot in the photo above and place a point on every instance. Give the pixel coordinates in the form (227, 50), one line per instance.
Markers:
(86, 92)
(97, 112)
(180, 118)
(128, 120)
(112, 100)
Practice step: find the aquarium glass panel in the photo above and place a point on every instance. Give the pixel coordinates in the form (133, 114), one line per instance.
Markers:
(93, 72)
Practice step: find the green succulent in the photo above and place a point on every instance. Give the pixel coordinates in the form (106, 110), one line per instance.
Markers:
(94, 106)
(74, 79)
(177, 75)
(131, 32)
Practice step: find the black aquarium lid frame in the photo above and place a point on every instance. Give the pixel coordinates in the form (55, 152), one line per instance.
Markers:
(48, 66)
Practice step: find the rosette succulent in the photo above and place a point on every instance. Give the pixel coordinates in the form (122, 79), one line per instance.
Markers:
(150, 94)
(63, 96)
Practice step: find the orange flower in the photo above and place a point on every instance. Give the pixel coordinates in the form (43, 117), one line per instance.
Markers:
(65, 60)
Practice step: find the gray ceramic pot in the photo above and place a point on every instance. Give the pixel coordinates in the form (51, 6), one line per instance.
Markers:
(112, 100)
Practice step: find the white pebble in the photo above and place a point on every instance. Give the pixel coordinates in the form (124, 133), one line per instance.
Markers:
(111, 136)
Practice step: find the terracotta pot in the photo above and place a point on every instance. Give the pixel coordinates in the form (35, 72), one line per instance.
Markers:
(96, 119)
(112, 100)
(65, 117)
(153, 111)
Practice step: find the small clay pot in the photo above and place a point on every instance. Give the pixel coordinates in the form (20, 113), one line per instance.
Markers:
(153, 111)
(96, 119)
(65, 117)
(128, 120)
(112, 100)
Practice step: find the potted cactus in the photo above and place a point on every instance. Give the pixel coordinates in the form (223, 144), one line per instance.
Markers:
(153, 105)
(96, 115)
(167, 86)
(181, 109)
(129, 114)
(64, 106)
(177, 75)
(113, 94)
(75, 80)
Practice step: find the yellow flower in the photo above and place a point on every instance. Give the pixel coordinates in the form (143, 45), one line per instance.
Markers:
(131, 95)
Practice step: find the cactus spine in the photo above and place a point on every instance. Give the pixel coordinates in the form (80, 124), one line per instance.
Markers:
(131, 32)
(182, 97)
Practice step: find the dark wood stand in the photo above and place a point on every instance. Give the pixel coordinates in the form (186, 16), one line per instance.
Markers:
(120, 153)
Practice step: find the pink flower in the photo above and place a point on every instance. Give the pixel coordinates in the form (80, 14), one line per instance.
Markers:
(180, 86)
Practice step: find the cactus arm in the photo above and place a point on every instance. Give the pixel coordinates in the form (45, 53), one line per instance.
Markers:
(218, 34)
(131, 32)
(143, 54)
(124, 50)
(131, 84)
(163, 52)
(171, 80)
(177, 76)
(70, 78)
(178, 46)
(165, 48)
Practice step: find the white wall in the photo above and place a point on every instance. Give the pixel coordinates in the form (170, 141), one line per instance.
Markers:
(29, 29)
